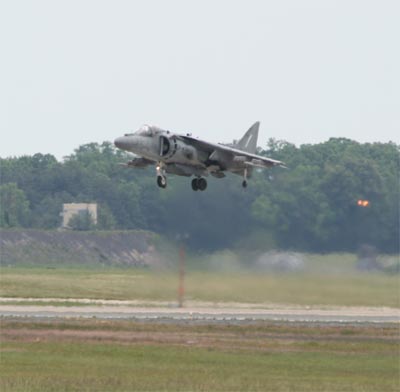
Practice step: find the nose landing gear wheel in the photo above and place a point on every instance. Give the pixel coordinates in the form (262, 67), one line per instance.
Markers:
(161, 181)
(244, 184)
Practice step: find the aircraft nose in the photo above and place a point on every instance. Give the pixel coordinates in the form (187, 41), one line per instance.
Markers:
(120, 142)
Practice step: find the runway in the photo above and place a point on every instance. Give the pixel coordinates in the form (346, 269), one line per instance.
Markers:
(201, 312)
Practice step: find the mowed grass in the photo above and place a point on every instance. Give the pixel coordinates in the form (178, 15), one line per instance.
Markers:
(304, 288)
(124, 356)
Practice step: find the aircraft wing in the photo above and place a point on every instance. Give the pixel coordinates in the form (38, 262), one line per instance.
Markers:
(218, 150)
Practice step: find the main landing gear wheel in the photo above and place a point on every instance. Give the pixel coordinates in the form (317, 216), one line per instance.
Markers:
(161, 181)
(199, 184)
(202, 184)
(244, 184)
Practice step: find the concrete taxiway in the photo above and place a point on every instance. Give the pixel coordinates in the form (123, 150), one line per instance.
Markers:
(234, 313)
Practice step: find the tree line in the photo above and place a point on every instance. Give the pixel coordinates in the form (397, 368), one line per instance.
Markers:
(310, 206)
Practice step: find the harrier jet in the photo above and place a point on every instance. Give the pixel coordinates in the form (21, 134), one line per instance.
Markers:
(185, 155)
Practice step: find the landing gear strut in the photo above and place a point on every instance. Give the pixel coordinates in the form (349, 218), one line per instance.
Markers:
(199, 184)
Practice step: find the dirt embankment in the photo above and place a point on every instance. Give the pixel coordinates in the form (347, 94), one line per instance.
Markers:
(49, 247)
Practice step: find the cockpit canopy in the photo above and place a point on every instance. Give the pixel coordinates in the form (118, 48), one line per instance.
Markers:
(145, 130)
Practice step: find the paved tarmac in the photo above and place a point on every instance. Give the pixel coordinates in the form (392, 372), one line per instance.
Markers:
(221, 314)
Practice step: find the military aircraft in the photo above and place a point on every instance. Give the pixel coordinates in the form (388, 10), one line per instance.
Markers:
(185, 155)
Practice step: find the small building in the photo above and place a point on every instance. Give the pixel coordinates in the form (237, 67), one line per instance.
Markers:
(72, 209)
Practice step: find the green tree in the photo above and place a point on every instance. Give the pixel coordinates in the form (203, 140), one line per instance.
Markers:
(14, 207)
(105, 218)
(82, 221)
(310, 206)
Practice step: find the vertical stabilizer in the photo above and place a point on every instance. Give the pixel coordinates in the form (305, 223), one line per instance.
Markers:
(248, 142)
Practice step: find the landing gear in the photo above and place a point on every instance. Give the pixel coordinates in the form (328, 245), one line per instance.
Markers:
(161, 181)
(199, 184)
(202, 184)
(244, 183)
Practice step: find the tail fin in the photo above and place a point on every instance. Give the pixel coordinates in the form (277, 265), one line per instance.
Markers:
(248, 142)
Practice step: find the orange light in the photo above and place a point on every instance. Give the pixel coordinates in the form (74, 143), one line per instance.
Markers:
(363, 203)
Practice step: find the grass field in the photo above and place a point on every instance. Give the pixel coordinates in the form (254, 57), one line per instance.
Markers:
(105, 355)
(124, 356)
(304, 288)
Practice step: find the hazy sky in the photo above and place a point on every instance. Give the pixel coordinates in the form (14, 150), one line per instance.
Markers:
(74, 72)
